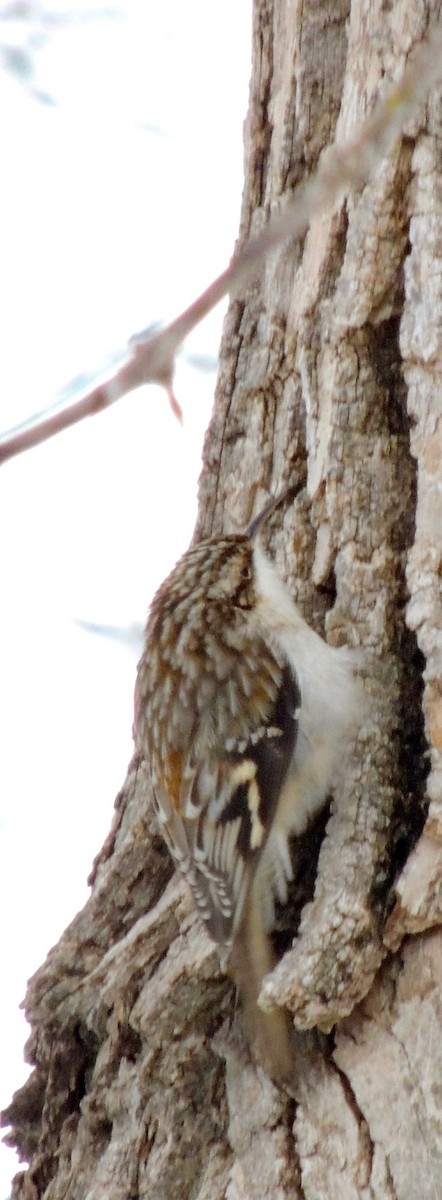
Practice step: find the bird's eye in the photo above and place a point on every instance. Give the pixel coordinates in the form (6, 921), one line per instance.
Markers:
(246, 572)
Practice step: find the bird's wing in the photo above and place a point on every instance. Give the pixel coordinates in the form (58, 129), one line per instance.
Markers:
(228, 802)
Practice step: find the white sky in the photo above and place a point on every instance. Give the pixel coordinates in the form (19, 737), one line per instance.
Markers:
(117, 206)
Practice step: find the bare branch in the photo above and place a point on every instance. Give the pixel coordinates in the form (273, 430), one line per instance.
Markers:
(151, 358)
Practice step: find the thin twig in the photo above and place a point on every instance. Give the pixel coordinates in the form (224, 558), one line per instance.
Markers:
(151, 358)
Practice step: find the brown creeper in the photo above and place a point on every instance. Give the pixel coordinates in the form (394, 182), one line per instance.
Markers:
(242, 715)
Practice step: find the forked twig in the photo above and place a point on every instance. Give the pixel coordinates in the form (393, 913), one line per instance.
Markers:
(150, 358)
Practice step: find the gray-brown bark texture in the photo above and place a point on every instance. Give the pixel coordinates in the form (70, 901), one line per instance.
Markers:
(330, 379)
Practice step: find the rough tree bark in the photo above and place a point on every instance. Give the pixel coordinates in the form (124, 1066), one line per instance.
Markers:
(330, 378)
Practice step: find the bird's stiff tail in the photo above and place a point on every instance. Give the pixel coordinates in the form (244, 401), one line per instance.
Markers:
(271, 1033)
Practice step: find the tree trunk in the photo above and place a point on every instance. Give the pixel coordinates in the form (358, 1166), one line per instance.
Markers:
(330, 380)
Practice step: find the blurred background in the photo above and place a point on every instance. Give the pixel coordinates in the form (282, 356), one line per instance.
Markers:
(121, 156)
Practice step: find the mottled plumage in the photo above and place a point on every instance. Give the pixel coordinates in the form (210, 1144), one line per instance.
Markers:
(218, 734)
(241, 715)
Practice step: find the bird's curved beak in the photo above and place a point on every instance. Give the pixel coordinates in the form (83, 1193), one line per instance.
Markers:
(256, 524)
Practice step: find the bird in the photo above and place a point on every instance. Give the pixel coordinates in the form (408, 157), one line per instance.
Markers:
(243, 716)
